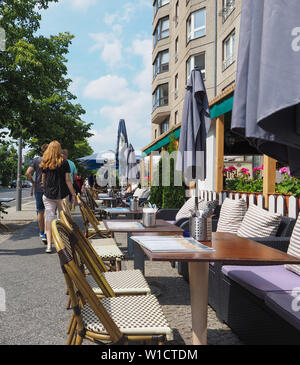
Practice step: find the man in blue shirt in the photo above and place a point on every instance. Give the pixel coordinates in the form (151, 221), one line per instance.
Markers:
(73, 170)
(38, 190)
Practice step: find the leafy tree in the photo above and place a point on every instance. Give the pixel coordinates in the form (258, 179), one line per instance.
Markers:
(8, 163)
(34, 96)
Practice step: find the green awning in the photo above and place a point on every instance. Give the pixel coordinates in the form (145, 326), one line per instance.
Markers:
(221, 108)
(163, 142)
(218, 109)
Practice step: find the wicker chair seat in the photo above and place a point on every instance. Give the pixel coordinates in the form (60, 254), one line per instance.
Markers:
(134, 315)
(100, 242)
(123, 282)
(107, 252)
(100, 226)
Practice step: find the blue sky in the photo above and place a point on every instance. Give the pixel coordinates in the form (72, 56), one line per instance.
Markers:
(109, 63)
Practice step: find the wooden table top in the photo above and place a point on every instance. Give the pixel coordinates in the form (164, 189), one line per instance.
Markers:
(161, 226)
(229, 249)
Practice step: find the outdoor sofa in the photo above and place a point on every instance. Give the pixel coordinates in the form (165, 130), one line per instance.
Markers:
(259, 303)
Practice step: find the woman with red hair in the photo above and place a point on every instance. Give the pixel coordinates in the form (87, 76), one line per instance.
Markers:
(57, 185)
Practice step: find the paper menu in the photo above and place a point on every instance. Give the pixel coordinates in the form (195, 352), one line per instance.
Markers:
(171, 244)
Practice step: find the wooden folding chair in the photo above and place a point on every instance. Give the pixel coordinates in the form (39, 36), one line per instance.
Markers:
(110, 320)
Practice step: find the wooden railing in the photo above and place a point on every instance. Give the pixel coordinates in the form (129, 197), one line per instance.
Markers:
(282, 204)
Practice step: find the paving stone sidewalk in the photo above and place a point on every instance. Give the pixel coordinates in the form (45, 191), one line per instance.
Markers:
(36, 295)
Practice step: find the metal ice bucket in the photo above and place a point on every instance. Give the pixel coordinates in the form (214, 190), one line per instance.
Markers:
(201, 228)
(149, 217)
(134, 204)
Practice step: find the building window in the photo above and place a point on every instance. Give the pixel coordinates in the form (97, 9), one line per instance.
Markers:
(228, 7)
(176, 49)
(195, 61)
(161, 30)
(158, 4)
(164, 127)
(161, 96)
(176, 117)
(176, 87)
(155, 133)
(161, 63)
(196, 24)
(229, 51)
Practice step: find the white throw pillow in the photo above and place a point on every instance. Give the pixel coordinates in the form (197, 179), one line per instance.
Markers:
(259, 222)
(185, 210)
(294, 247)
(231, 215)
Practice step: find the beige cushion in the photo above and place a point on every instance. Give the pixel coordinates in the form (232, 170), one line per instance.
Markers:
(185, 210)
(231, 215)
(294, 247)
(259, 222)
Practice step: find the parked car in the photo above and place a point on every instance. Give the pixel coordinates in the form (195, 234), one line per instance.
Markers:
(25, 184)
(13, 184)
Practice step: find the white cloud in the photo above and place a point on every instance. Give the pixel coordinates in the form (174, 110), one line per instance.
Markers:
(143, 48)
(110, 45)
(82, 5)
(75, 85)
(110, 87)
(124, 102)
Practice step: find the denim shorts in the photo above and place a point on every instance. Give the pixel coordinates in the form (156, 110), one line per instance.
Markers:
(40, 207)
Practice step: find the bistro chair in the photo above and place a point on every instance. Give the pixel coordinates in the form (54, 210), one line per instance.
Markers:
(111, 320)
(92, 226)
(106, 248)
(125, 282)
(128, 282)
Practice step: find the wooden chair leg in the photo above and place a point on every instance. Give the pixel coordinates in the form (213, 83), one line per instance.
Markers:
(119, 265)
(68, 306)
(78, 340)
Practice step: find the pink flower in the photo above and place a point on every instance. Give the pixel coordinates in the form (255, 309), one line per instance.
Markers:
(224, 170)
(231, 168)
(244, 171)
(283, 170)
(262, 167)
(257, 169)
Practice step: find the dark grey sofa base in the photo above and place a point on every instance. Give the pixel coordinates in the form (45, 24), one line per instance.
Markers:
(250, 318)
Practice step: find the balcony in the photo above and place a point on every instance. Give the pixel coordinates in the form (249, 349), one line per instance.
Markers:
(228, 9)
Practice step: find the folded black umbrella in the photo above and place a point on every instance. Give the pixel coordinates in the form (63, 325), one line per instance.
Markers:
(266, 106)
(195, 125)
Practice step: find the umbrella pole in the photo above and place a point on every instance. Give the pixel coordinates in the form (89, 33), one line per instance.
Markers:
(196, 195)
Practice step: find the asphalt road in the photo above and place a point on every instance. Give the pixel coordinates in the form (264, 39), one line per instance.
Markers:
(12, 193)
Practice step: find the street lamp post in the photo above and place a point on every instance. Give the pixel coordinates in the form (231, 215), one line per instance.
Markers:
(19, 178)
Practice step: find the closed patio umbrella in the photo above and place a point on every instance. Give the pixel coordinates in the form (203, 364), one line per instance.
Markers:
(132, 171)
(266, 106)
(122, 144)
(196, 122)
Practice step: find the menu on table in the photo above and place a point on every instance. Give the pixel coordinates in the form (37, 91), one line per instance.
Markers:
(124, 225)
(171, 244)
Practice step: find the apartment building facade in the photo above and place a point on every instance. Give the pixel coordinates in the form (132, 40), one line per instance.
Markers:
(189, 34)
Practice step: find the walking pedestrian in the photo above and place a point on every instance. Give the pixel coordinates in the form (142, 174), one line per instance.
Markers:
(73, 171)
(34, 174)
(57, 184)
